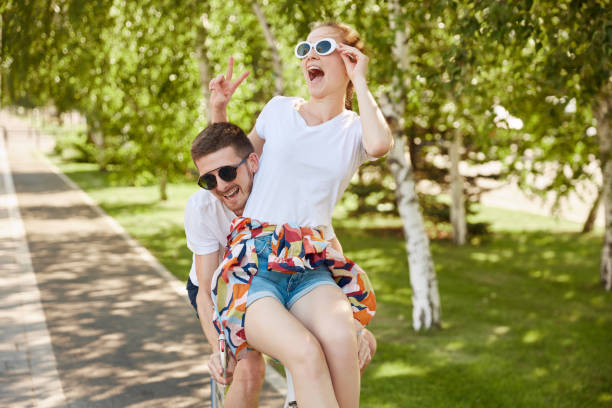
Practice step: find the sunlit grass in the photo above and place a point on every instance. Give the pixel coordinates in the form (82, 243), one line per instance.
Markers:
(504, 220)
(525, 321)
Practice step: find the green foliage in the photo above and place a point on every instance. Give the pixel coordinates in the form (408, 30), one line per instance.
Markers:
(557, 56)
(131, 68)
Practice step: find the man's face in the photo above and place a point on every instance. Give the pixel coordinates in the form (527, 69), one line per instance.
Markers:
(233, 194)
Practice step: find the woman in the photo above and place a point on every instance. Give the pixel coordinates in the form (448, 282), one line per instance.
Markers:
(309, 152)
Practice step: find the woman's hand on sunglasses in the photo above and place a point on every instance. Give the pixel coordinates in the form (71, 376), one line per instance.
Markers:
(222, 88)
(355, 61)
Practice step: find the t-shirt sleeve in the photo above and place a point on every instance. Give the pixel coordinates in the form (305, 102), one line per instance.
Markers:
(360, 152)
(269, 112)
(200, 238)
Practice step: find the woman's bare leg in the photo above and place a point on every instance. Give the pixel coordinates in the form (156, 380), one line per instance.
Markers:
(327, 314)
(272, 330)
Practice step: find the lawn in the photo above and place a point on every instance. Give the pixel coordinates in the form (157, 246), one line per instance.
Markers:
(525, 321)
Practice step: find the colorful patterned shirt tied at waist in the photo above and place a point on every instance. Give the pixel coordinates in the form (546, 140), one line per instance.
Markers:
(294, 249)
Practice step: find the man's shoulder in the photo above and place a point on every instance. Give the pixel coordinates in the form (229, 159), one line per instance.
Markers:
(203, 209)
(203, 199)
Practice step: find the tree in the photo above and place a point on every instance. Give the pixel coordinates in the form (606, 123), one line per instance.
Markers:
(562, 53)
(426, 299)
(272, 44)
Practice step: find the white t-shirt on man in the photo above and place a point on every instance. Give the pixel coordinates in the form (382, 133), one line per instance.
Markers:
(207, 225)
(303, 169)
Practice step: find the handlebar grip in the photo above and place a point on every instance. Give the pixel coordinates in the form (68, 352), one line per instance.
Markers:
(223, 353)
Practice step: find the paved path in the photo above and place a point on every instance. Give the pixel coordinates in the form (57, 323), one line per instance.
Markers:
(88, 318)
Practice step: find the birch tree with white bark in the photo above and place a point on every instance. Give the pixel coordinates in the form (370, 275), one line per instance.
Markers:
(279, 87)
(425, 296)
(603, 115)
(457, 213)
(203, 65)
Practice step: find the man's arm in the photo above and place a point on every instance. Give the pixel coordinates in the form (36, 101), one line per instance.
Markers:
(221, 90)
(205, 266)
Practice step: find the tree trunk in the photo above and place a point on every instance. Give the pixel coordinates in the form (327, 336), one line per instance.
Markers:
(203, 65)
(163, 185)
(96, 138)
(425, 297)
(603, 111)
(589, 223)
(272, 43)
(457, 211)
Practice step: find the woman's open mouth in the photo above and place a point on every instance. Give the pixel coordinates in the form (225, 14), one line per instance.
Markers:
(315, 73)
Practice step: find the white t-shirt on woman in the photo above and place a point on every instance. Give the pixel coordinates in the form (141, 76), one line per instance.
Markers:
(303, 169)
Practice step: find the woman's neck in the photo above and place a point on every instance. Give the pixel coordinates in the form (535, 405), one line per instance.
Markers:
(326, 108)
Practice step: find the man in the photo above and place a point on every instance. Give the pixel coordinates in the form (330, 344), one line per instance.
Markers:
(227, 164)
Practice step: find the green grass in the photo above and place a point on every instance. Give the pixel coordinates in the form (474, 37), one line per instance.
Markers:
(525, 321)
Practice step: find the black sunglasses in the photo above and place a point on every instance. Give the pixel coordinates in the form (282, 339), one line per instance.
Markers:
(208, 181)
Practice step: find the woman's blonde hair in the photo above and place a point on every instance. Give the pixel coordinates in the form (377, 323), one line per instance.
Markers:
(350, 37)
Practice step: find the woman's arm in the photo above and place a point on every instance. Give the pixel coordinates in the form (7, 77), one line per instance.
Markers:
(257, 141)
(377, 138)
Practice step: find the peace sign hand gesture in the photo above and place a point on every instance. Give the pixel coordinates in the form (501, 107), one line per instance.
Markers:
(222, 88)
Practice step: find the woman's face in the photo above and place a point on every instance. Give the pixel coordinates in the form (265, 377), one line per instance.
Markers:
(324, 74)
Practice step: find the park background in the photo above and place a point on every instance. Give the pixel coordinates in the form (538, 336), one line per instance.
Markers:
(510, 305)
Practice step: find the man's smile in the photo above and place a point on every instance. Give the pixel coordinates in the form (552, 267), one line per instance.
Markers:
(231, 193)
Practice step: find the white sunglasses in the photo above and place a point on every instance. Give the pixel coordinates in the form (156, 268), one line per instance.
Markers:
(322, 47)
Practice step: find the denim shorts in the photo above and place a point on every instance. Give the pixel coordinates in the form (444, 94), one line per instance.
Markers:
(192, 293)
(287, 288)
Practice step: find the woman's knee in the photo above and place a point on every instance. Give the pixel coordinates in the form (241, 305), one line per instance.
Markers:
(307, 355)
(339, 339)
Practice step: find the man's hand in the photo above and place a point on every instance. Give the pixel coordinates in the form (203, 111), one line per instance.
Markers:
(216, 370)
(222, 88)
(366, 345)
(365, 354)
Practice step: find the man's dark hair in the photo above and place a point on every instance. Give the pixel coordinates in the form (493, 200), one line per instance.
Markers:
(218, 135)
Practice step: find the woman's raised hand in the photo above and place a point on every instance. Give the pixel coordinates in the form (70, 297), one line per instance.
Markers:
(355, 61)
(222, 88)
